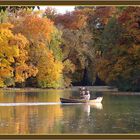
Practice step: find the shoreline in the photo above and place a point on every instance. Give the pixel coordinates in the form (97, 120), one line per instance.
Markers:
(74, 88)
(107, 90)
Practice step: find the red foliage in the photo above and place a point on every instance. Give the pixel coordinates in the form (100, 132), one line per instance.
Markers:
(104, 13)
(129, 18)
(72, 20)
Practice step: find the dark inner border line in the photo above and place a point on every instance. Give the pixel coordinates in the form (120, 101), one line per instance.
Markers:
(63, 136)
(68, 2)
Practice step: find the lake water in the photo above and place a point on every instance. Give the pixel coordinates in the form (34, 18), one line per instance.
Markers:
(42, 113)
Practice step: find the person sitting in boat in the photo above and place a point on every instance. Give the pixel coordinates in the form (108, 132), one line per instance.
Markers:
(87, 95)
(84, 94)
(82, 91)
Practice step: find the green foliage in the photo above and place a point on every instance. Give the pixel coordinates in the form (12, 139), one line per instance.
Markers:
(121, 8)
(69, 69)
(9, 82)
(3, 16)
(55, 43)
(110, 36)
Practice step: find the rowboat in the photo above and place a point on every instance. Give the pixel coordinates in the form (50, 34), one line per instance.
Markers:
(97, 100)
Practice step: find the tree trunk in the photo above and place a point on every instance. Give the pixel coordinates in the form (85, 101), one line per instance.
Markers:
(99, 82)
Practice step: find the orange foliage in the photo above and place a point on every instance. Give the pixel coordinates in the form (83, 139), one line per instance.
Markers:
(14, 56)
(35, 28)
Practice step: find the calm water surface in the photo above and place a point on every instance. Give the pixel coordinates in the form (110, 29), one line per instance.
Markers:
(42, 113)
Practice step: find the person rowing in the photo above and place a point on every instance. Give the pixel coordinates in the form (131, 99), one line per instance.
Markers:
(82, 91)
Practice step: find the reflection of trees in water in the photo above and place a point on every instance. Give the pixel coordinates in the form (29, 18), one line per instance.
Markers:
(30, 119)
(41, 119)
(50, 119)
(119, 115)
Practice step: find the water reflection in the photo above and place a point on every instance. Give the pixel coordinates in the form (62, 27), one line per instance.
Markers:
(87, 107)
(22, 113)
(42, 113)
(29, 119)
(39, 113)
(97, 106)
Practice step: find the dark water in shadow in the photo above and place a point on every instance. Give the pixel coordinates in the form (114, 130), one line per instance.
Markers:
(42, 113)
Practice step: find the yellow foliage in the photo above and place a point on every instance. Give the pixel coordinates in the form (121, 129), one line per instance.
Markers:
(1, 83)
(23, 71)
(68, 66)
(13, 56)
(6, 52)
(49, 69)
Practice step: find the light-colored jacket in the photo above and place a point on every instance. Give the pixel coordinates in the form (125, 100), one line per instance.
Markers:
(87, 96)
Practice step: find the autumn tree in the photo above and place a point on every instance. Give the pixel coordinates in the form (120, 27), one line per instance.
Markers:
(44, 51)
(49, 69)
(131, 14)
(78, 41)
(35, 28)
(49, 49)
(110, 37)
(13, 57)
(71, 20)
(3, 16)
(119, 62)
(50, 13)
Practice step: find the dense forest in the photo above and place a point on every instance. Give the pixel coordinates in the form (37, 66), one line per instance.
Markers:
(92, 45)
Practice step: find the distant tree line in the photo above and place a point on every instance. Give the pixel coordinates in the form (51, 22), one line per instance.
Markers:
(97, 45)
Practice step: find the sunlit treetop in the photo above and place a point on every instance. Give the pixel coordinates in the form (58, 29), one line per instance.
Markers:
(36, 28)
